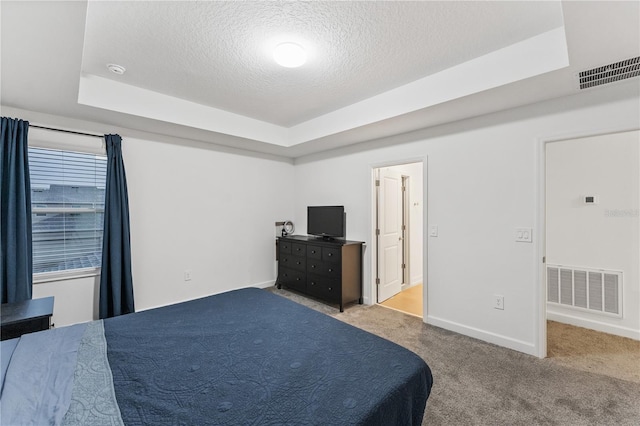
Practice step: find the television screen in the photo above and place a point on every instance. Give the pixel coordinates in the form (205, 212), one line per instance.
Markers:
(326, 221)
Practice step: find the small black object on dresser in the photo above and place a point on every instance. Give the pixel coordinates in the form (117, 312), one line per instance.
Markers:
(330, 270)
(25, 317)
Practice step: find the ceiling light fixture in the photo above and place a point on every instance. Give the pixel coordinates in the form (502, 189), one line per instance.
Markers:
(116, 69)
(290, 55)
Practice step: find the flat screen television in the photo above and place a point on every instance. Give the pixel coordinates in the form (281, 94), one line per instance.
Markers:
(326, 221)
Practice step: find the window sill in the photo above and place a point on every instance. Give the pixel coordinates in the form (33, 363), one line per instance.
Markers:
(45, 277)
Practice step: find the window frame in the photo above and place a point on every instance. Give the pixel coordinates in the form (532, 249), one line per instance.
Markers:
(65, 143)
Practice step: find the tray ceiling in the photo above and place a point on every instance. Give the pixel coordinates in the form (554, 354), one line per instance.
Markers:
(204, 71)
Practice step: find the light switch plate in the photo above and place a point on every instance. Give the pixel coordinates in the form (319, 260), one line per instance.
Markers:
(433, 231)
(524, 235)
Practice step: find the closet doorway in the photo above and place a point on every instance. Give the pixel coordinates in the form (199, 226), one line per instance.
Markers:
(398, 230)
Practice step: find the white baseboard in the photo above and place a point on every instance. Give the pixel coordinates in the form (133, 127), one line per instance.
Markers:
(264, 284)
(594, 325)
(416, 280)
(496, 339)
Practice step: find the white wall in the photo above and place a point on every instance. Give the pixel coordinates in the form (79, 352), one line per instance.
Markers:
(600, 236)
(75, 300)
(481, 183)
(210, 212)
(192, 206)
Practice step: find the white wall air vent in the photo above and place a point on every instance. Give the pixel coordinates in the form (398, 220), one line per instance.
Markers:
(610, 73)
(593, 290)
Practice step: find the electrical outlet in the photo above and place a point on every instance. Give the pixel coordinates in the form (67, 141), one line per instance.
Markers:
(498, 302)
(187, 274)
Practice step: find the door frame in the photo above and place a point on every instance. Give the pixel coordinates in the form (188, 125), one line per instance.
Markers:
(541, 225)
(406, 232)
(373, 289)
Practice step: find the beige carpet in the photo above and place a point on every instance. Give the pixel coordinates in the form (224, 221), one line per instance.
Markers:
(477, 383)
(408, 301)
(573, 347)
(593, 351)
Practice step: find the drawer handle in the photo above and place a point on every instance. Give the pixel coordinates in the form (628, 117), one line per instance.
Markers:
(286, 275)
(330, 254)
(313, 283)
(313, 266)
(330, 288)
(298, 279)
(313, 251)
(330, 270)
(297, 263)
(298, 249)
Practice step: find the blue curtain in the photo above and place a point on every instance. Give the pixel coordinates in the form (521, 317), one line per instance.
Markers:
(116, 282)
(16, 261)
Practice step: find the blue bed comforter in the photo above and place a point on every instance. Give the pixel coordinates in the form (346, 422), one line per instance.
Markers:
(251, 357)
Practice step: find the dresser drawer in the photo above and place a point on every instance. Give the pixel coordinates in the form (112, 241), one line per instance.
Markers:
(324, 288)
(284, 247)
(330, 254)
(314, 252)
(292, 279)
(332, 291)
(327, 269)
(295, 262)
(298, 249)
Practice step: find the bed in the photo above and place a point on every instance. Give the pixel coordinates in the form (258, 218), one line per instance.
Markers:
(245, 357)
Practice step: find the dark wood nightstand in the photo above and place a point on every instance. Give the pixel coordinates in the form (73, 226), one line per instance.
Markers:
(25, 317)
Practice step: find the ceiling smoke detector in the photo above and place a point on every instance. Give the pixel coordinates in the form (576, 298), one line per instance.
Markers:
(116, 69)
(290, 55)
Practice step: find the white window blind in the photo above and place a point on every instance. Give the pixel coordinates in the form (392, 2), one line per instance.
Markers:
(67, 202)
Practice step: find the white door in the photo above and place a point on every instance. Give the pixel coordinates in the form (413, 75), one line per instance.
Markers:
(390, 237)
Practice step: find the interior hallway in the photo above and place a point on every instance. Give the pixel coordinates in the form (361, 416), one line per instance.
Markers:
(408, 301)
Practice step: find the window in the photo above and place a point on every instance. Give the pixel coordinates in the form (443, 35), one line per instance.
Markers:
(67, 202)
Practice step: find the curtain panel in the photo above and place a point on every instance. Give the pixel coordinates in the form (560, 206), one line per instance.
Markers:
(116, 282)
(16, 258)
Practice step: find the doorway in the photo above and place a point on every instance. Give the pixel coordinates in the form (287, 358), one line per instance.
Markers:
(398, 230)
(591, 248)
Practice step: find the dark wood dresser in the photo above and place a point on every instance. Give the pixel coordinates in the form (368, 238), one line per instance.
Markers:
(25, 317)
(329, 270)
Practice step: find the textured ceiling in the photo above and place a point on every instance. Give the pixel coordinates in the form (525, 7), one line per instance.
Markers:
(219, 53)
(53, 56)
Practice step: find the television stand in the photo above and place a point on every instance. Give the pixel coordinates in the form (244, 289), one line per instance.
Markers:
(329, 270)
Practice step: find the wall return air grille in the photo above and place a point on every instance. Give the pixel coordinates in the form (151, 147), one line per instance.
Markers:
(593, 290)
(610, 73)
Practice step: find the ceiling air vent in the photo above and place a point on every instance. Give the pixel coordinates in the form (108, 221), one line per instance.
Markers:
(610, 73)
